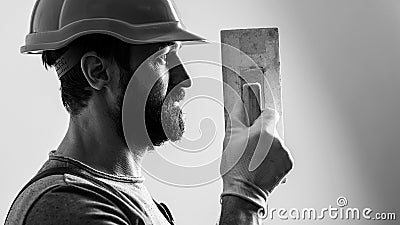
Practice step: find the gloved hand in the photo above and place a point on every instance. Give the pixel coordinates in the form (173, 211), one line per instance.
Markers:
(254, 160)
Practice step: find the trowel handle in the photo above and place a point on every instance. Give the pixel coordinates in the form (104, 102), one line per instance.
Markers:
(251, 97)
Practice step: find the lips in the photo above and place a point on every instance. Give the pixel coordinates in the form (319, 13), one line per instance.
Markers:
(176, 95)
(176, 104)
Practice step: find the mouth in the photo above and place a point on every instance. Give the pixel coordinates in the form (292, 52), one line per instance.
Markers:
(176, 96)
(177, 104)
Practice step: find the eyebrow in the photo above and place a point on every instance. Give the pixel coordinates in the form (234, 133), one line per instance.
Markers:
(163, 45)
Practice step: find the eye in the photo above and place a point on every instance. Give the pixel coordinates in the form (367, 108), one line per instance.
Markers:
(163, 59)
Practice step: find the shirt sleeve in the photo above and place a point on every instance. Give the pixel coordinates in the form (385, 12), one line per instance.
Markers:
(71, 204)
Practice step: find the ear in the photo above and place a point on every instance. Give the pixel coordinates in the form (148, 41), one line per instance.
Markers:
(94, 68)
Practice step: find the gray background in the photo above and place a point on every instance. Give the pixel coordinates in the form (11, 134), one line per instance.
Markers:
(339, 65)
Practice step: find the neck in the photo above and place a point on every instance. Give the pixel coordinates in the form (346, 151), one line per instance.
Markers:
(92, 139)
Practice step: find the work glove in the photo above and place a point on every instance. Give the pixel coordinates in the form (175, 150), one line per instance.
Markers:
(254, 160)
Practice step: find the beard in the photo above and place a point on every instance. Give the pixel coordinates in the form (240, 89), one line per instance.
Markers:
(163, 118)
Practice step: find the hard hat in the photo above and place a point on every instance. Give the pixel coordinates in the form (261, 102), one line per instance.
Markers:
(55, 23)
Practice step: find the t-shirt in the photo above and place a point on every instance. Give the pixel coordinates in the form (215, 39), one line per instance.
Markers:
(71, 199)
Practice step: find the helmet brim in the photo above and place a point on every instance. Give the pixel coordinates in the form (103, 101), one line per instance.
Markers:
(36, 43)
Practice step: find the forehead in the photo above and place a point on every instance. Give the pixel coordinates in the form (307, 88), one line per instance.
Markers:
(149, 49)
(140, 52)
(171, 44)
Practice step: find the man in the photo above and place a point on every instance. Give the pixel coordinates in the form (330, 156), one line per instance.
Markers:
(105, 52)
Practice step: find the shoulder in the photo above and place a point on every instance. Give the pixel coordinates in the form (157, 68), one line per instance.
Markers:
(74, 204)
(68, 199)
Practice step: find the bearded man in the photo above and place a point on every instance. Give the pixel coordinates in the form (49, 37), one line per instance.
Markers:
(104, 51)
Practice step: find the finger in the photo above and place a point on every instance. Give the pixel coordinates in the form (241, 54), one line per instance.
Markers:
(263, 146)
(265, 128)
(266, 122)
(238, 113)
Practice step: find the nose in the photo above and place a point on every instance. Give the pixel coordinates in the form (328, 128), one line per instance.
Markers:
(178, 76)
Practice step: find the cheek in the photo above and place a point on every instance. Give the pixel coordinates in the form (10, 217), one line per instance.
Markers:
(149, 75)
(159, 74)
(165, 81)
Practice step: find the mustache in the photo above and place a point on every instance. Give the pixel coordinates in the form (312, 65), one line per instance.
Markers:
(176, 94)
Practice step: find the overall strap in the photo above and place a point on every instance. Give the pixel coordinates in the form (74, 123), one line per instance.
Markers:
(165, 211)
